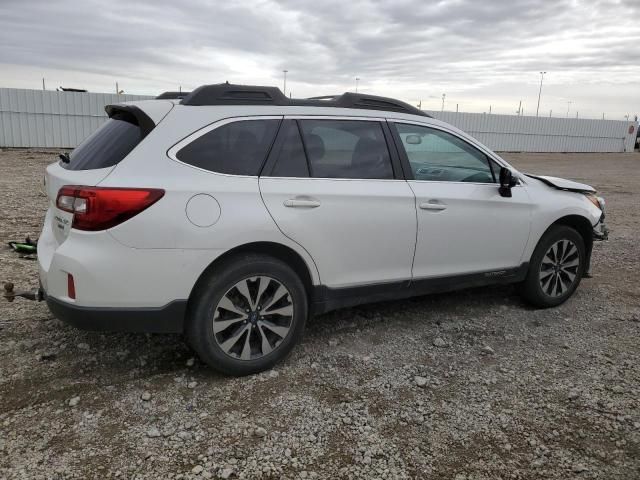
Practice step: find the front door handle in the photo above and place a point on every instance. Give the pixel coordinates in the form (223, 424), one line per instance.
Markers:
(433, 206)
(301, 203)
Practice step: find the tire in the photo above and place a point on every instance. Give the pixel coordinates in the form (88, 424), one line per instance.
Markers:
(551, 281)
(218, 319)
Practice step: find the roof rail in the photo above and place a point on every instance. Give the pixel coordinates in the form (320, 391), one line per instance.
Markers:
(172, 95)
(229, 94)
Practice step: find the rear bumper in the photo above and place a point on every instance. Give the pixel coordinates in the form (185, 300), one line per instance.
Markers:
(167, 319)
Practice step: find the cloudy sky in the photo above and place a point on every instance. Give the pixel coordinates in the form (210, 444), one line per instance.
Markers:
(480, 53)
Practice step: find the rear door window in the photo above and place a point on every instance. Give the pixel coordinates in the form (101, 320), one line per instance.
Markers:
(346, 149)
(236, 148)
(107, 146)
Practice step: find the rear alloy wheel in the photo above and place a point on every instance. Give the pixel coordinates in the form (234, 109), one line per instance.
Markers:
(253, 318)
(556, 267)
(247, 314)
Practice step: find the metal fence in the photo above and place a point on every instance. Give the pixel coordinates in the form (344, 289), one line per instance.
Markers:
(43, 118)
(39, 118)
(511, 133)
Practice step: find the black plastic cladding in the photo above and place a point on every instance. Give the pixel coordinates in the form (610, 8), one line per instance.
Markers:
(228, 94)
(172, 95)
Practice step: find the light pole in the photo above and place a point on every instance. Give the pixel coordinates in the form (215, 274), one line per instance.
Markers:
(443, 95)
(357, 80)
(540, 91)
(284, 86)
(568, 107)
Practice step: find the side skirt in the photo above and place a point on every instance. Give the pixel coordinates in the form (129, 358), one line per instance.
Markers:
(326, 299)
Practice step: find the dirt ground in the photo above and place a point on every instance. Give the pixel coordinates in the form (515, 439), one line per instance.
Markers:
(556, 394)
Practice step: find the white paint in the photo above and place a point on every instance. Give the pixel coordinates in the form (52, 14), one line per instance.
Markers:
(348, 232)
(203, 210)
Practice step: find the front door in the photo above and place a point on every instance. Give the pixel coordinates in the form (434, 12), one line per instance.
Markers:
(332, 187)
(464, 225)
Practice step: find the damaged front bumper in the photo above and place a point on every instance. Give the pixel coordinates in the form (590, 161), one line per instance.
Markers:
(600, 230)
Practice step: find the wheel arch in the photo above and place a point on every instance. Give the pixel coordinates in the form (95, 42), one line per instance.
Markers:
(583, 226)
(277, 250)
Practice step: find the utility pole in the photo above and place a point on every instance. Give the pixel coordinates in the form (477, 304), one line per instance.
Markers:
(443, 95)
(357, 80)
(43, 87)
(568, 107)
(489, 109)
(540, 91)
(550, 112)
(284, 86)
(519, 111)
(456, 108)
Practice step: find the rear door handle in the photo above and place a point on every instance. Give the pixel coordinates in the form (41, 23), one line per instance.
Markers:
(433, 206)
(301, 203)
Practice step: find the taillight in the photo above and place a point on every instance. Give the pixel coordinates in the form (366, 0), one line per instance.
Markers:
(99, 208)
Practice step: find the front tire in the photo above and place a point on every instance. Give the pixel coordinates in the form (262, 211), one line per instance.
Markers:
(556, 268)
(247, 314)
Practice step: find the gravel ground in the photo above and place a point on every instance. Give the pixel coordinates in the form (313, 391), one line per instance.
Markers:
(463, 386)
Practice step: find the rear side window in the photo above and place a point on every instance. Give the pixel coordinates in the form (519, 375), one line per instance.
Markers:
(107, 146)
(237, 148)
(346, 149)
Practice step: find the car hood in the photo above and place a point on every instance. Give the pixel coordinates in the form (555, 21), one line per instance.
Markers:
(563, 184)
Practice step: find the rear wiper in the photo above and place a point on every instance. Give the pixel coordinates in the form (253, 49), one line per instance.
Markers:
(64, 157)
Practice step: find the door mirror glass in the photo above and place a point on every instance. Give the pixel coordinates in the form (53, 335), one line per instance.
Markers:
(413, 139)
(507, 181)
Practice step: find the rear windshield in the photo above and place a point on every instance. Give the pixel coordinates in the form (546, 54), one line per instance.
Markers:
(107, 146)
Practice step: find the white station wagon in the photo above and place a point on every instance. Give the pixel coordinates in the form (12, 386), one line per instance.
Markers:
(234, 214)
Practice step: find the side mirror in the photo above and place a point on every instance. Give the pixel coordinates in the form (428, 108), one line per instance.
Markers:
(507, 181)
(414, 139)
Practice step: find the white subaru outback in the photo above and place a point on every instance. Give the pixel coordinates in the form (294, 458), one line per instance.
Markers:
(234, 214)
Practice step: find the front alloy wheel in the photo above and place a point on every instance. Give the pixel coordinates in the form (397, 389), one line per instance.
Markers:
(559, 268)
(253, 318)
(556, 267)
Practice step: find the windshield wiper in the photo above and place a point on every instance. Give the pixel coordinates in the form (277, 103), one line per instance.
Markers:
(64, 157)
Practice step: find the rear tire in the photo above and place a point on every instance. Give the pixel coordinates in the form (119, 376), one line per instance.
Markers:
(247, 314)
(556, 268)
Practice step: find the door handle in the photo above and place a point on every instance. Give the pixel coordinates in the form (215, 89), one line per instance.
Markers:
(301, 203)
(433, 206)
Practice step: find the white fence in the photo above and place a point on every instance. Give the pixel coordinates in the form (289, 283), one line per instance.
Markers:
(43, 118)
(511, 133)
(38, 118)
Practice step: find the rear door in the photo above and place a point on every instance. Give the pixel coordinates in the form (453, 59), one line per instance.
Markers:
(332, 186)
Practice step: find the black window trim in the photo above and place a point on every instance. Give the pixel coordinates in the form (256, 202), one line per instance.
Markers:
(396, 165)
(193, 136)
(404, 159)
